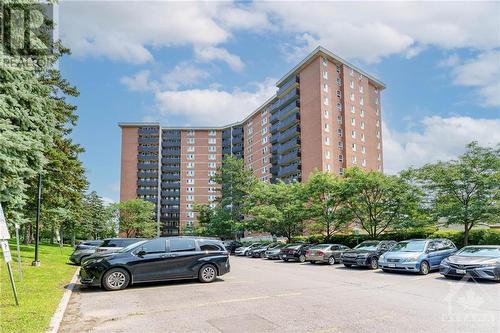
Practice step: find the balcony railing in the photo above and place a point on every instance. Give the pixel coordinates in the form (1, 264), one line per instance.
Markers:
(237, 140)
(289, 158)
(289, 133)
(170, 176)
(147, 166)
(170, 210)
(171, 143)
(147, 182)
(292, 95)
(147, 157)
(147, 192)
(148, 131)
(170, 185)
(147, 148)
(292, 82)
(170, 193)
(285, 147)
(170, 201)
(289, 121)
(288, 170)
(237, 148)
(274, 138)
(148, 140)
(171, 160)
(147, 174)
(292, 107)
(171, 151)
(275, 127)
(171, 168)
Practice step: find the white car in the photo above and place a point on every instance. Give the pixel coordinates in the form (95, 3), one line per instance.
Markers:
(243, 251)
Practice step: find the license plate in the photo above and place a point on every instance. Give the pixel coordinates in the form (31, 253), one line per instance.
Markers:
(461, 271)
(392, 265)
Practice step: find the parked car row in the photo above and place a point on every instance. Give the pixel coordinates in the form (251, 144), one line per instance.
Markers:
(128, 261)
(85, 249)
(416, 255)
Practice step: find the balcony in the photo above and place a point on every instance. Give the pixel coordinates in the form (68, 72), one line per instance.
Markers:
(287, 85)
(290, 145)
(288, 109)
(289, 158)
(226, 150)
(148, 140)
(237, 148)
(226, 133)
(147, 182)
(289, 170)
(169, 210)
(148, 148)
(170, 176)
(226, 141)
(289, 121)
(148, 131)
(170, 185)
(274, 170)
(292, 95)
(274, 149)
(147, 192)
(147, 166)
(274, 138)
(147, 157)
(165, 193)
(171, 134)
(170, 201)
(171, 143)
(153, 200)
(147, 174)
(274, 117)
(237, 140)
(171, 160)
(289, 133)
(237, 131)
(275, 127)
(171, 168)
(171, 151)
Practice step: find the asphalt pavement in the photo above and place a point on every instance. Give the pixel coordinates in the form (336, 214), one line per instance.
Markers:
(273, 296)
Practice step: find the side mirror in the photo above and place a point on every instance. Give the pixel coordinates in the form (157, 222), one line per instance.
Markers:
(141, 253)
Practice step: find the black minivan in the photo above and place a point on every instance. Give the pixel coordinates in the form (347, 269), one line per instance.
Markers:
(159, 259)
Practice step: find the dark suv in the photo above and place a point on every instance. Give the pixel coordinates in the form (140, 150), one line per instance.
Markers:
(159, 259)
(366, 253)
(294, 251)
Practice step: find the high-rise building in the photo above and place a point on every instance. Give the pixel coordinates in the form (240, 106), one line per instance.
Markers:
(326, 116)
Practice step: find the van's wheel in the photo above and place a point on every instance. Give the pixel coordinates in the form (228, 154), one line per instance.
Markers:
(424, 268)
(115, 279)
(263, 255)
(347, 265)
(207, 273)
(331, 260)
(374, 263)
(302, 258)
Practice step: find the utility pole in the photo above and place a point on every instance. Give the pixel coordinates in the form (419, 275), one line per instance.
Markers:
(36, 262)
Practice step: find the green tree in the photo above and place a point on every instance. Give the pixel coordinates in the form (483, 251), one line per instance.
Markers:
(97, 220)
(466, 190)
(326, 202)
(278, 208)
(380, 203)
(216, 222)
(136, 218)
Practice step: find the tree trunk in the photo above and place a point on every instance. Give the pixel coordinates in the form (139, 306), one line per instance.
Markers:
(52, 234)
(466, 234)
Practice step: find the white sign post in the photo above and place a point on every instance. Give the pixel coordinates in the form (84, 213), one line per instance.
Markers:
(18, 254)
(4, 244)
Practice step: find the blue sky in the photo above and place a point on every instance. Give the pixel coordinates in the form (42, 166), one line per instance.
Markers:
(212, 63)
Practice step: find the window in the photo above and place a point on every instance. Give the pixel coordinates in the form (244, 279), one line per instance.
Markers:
(339, 106)
(362, 113)
(212, 148)
(325, 101)
(378, 134)
(339, 81)
(205, 246)
(190, 181)
(190, 214)
(379, 157)
(190, 189)
(339, 119)
(190, 173)
(338, 94)
(325, 113)
(351, 72)
(328, 167)
(363, 137)
(211, 157)
(325, 62)
(363, 149)
(325, 75)
(190, 141)
(154, 246)
(264, 130)
(264, 150)
(361, 90)
(362, 125)
(189, 206)
(212, 165)
(190, 148)
(327, 141)
(351, 84)
(211, 173)
(190, 133)
(378, 145)
(327, 128)
(327, 154)
(341, 158)
(378, 123)
(264, 121)
(189, 198)
(353, 109)
(182, 245)
(377, 112)
(361, 101)
(363, 163)
(211, 190)
(211, 198)
(339, 131)
(212, 133)
(353, 147)
(190, 156)
(190, 165)
(212, 141)
(353, 122)
(352, 97)
(341, 171)
(264, 140)
(325, 87)
(189, 224)
(338, 69)
(340, 144)
(354, 160)
(353, 134)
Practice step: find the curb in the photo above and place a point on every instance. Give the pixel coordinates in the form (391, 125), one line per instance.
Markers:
(56, 320)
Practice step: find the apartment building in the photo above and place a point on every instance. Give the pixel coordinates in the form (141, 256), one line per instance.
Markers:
(326, 115)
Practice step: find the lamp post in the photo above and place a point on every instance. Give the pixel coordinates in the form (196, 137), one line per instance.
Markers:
(36, 262)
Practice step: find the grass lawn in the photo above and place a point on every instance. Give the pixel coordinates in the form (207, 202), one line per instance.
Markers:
(39, 292)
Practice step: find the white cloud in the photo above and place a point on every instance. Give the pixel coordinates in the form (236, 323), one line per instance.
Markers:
(439, 139)
(369, 31)
(213, 106)
(138, 82)
(483, 73)
(210, 53)
(184, 74)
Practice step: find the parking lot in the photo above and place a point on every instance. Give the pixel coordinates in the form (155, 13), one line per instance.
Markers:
(274, 296)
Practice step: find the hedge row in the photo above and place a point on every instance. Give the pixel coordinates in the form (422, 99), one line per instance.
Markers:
(476, 237)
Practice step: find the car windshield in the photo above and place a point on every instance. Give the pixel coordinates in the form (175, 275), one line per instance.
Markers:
(131, 246)
(413, 246)
(293, 246)
(473, 251)
(320, 246)
(369, 246)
